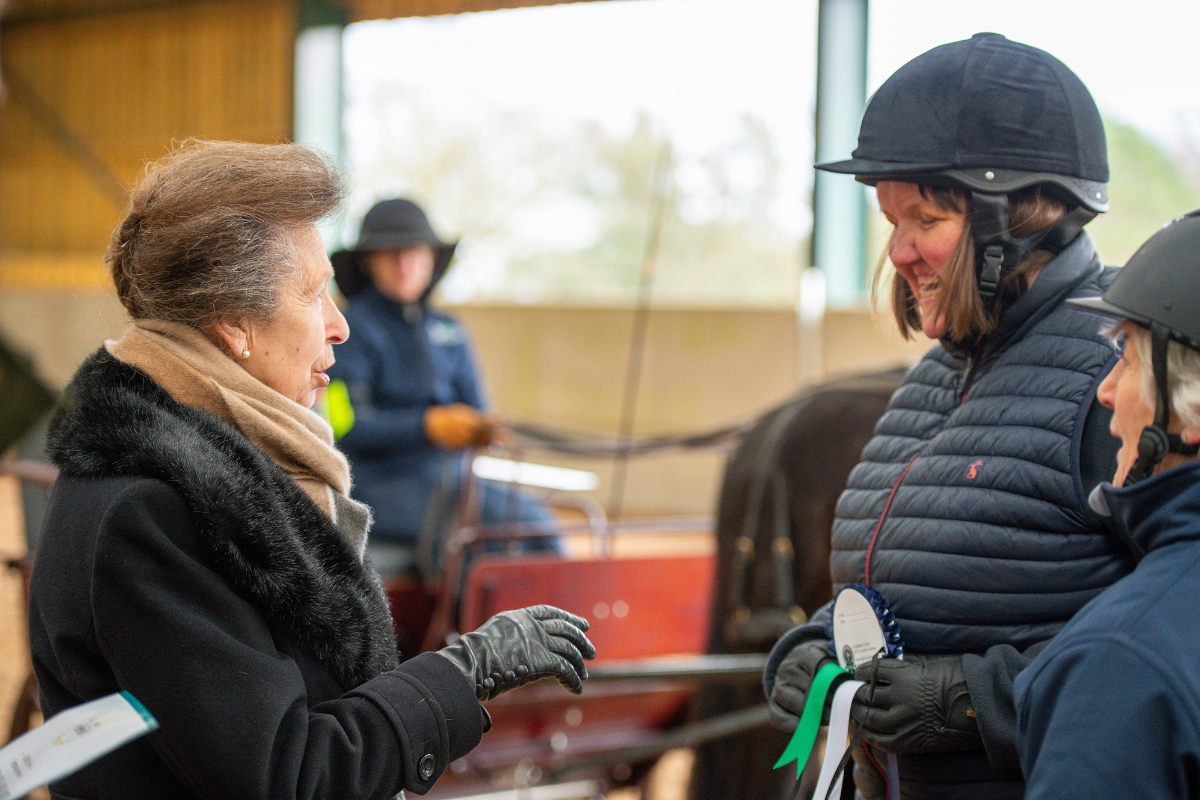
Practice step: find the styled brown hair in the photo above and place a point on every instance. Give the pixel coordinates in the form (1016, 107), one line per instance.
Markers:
(1029, 210)
(210, 230)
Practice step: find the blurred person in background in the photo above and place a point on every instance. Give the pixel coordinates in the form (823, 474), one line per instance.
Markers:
(201, 550)
(1112, 707)
(406, 400)
(968, 510)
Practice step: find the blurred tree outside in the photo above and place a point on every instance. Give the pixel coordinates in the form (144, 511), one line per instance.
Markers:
(533, 134)
(563, 216)
(718, 245)
(1150, 185)
(554, 214)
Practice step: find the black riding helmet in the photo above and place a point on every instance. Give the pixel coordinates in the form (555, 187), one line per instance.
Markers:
(990, 116)
(1157, 289)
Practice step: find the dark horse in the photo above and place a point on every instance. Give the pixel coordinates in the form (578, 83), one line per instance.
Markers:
(773, 522)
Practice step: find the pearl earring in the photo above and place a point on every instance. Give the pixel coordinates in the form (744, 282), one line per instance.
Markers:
(245, 354)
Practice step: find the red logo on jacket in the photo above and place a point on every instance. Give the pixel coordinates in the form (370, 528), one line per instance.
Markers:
(971, 471)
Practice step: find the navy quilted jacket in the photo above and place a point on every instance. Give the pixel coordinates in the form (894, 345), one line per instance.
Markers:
(968, 509)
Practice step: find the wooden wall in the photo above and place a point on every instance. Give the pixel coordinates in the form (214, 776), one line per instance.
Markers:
(94, 94)
(98, 87)
(360, 10)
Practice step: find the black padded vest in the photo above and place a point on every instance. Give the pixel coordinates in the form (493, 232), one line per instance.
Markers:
(967, 510)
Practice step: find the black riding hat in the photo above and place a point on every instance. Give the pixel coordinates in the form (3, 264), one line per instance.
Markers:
(1160, 283)
(389, 225)
(1159, 289)
(989, 114)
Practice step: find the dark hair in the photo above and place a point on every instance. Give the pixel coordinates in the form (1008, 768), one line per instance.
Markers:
(1029, 210)
(210, 230)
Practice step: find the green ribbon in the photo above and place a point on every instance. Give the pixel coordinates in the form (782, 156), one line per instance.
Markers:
(801, 744)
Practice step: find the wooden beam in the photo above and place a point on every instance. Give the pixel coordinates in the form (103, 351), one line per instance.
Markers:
(22, 12)
(26, 11)
(361, 10)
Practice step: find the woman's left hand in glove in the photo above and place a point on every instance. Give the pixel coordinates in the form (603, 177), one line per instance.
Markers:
(919, 705)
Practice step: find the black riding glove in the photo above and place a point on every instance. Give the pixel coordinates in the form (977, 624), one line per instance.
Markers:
(792, 681)
(514, 648)
(920, 705)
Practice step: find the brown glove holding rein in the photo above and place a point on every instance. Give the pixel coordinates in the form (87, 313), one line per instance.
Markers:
(457, 425)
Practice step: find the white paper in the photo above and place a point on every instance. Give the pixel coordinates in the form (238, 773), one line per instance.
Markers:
(856, 632)
(69, 740)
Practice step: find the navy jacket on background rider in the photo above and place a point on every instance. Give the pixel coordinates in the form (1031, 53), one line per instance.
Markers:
(1122, 667)
(987, 547)
(400, 360)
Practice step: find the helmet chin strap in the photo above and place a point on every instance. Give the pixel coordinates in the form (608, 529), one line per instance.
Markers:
(1155, 443)
(997, 252)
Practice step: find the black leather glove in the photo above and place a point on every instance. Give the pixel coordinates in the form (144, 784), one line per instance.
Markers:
(919, 705)
(792, 681)
(514, 648)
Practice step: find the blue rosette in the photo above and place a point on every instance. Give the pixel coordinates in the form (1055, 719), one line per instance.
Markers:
(893, 640)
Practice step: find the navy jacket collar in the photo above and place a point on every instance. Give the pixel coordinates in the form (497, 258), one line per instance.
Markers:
(1161, 510)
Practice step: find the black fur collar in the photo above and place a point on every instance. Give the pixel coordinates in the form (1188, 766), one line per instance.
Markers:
(266, 537)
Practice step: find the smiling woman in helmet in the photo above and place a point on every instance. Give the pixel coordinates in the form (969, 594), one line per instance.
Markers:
(1131, 654)
(968, 511)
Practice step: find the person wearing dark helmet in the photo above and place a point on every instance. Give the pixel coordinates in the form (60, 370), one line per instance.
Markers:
(1112, 706)
(968, 511)
(406, 399)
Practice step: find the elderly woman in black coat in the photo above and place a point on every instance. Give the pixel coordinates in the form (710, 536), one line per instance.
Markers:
(201, 550)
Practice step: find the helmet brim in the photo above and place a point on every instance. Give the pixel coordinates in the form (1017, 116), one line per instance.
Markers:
(870, 171)
(1090, 194)
(1102, 306)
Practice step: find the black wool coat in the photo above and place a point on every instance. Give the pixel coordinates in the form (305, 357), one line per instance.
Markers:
(178, 563)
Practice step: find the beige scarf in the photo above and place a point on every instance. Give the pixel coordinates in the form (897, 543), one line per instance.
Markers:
(195, 372)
